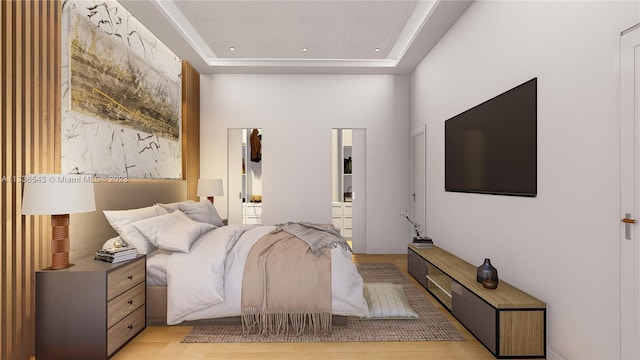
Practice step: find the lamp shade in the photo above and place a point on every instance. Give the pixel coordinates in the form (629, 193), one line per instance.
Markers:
(55, 194)
(210, 187)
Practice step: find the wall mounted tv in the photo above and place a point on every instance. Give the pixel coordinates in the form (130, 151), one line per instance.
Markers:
(492, 147)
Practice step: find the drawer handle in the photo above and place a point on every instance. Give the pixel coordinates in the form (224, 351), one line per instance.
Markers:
(130, 277)
(130, 327)
(130, 302)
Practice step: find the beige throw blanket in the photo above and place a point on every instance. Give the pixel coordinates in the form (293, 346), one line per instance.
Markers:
(286, 288)
(317, 236)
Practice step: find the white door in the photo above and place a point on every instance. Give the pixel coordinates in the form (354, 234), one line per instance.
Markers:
(629, 193)
(418, 179)
(359, 174)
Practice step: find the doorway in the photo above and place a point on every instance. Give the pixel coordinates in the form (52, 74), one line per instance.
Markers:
(244, 176)
(629, 193)
(348, 200)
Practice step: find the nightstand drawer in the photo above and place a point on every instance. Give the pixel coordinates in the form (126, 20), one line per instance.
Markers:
(124, 304)
(123, 279)
(119, 334)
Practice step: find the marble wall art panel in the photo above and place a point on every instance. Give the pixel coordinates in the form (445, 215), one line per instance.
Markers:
(121, 95)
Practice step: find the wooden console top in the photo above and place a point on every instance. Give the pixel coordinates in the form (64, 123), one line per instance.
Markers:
(505, 296)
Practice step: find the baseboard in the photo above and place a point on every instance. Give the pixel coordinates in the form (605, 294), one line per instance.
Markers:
(552, 355)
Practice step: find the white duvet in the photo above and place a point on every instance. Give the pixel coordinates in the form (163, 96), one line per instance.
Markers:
(206, 283)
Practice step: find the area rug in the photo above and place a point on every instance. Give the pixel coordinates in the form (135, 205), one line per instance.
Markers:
(431, 326)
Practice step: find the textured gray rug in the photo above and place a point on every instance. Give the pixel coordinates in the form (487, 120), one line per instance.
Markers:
(431, 326)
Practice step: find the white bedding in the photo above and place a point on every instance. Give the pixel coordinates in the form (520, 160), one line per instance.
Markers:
(206, 282)
(157, 267)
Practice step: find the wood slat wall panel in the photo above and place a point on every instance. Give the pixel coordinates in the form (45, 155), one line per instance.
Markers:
(190, 128)
(30, 139)
(30, 97)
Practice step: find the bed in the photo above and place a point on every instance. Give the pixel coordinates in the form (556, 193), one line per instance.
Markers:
(347, 297)
(195, 263)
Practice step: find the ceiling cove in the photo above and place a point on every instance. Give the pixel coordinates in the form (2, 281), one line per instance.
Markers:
(301, 36)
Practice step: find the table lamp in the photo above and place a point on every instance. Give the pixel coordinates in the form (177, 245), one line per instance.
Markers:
(58, 195)
(210, 188)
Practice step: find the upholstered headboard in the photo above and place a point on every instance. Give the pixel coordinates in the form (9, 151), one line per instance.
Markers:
(88, 231)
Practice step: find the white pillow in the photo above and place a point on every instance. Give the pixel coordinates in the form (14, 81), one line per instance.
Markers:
(387, 301)
(171, 207)
(120, 221)
(173, 231)
(202, 211)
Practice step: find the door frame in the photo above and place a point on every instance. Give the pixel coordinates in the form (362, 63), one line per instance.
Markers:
(234, 175)
(414, 134)
(359, 181)
(629, 192)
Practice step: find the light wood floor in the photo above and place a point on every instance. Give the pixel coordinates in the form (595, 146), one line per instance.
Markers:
(163, 342)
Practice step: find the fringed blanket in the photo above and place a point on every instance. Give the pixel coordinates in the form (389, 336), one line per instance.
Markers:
(285, 287)
(317, 236)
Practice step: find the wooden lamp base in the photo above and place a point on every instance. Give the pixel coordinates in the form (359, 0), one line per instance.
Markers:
(59, 241)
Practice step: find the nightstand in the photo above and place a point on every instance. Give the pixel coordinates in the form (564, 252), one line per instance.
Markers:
(89, 310)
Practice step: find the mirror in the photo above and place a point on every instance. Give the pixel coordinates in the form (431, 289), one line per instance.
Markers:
(244, 169)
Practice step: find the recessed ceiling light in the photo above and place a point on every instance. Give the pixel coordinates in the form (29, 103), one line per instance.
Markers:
(232, 48)
(376, 49)
(305, 49)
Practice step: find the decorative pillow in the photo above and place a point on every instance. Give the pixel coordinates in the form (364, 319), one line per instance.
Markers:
(387, 301)
(202, 211)
(171, 207)
(173, 231)
(120, 221)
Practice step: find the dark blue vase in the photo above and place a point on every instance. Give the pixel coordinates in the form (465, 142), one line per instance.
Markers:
(487, 271)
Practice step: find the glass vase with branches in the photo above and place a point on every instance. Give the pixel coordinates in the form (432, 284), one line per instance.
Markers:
(417, 228)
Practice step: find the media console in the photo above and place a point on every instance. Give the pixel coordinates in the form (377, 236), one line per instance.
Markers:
(507, 321)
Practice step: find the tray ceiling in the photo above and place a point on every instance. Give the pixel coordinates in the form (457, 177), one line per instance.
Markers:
(301, 36)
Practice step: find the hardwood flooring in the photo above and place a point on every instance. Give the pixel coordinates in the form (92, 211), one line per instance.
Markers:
(163, 342)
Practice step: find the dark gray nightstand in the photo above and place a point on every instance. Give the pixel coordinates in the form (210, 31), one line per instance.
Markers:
(89, 310)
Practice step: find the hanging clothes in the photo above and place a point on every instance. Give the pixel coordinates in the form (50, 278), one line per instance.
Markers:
(256, 146)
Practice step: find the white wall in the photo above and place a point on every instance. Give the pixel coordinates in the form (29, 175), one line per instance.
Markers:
(563, 245)
(297, 113)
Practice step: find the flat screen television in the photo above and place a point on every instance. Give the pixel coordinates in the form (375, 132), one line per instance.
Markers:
(492, 147)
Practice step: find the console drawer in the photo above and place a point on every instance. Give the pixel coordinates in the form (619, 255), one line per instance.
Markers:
(478, 316)
(417, 267)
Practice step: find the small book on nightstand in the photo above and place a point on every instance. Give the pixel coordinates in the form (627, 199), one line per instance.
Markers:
(115, 255)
